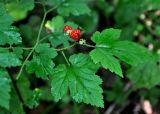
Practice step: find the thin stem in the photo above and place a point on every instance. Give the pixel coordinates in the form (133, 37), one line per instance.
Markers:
(45, 37)
(110, 109)
(41, 27)
(52, 9)
(25, 61)
(24, 48)
(65, 58)
(38, 3)
(65, 48)
(88, 45)
(38, 37)
(27, 48)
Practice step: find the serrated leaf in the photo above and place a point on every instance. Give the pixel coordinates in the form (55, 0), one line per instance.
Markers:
(106, 60)
(108, 47)
(80, 79)
(4, 89)
(5, 19)
(45, 50)
(75, 7)
(10, 36)
(58, 39)
(42, 63)
(18, 51)
(9, 59)
(19, 9)
(145, 75)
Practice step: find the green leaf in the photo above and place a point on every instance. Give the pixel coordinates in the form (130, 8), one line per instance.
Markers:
(9, 59)
(108, 49)
(42, 63)
(10, 36)
(45, 50)
(72, 24)
(145, 75)
(19, 9)
(56, 27)
(80, 79)
(58, 39)
(75, 7)
(4, 89)
(106, 60)
(56, 24)
(5, 19)
(18, 51)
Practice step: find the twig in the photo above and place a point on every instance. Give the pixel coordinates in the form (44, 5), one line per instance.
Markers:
(38, 37)
(110, 108)
(64, 48)
(65, 58)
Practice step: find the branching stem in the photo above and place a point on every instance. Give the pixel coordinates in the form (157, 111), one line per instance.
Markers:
(38, 38)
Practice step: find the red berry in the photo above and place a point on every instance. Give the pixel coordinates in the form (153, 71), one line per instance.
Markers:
(77, 31)
(75, 34)
(66, 28)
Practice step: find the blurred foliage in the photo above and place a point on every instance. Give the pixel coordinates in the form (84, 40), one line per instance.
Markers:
(19, 26)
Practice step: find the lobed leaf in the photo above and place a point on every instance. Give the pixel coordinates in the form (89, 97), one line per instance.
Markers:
(80, 79)
(109, 48)
(42, 63)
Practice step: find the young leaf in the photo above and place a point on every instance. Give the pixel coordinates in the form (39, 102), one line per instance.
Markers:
(75, 7)
(42, 63)
(108, 47)
(56, 24)
(4, 89)
(80, 79)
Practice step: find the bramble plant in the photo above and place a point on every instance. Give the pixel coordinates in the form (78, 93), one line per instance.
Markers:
(23, 60)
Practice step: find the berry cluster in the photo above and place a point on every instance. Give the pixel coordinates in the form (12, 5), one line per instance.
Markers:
(73, 33)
